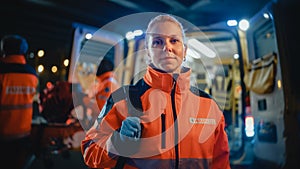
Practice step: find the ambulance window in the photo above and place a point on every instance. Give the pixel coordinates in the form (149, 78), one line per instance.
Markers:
(264, 39)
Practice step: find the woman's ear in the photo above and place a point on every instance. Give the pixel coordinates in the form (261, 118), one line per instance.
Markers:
(148, 59)
(185, 49)
(147, 51)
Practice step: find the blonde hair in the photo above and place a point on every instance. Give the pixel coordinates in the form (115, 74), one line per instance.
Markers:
(163, 18)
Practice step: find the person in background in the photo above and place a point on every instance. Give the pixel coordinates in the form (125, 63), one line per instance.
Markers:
(106, 84)
(18, 86)
(180, 126)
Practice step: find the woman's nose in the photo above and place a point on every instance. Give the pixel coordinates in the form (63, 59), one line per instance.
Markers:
(167, 47)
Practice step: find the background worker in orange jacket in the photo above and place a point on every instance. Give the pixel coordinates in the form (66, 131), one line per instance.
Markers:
(18, 85)
(106, 84)
(179, 126)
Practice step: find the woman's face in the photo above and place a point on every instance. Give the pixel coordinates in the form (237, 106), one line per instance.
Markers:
(165, 46)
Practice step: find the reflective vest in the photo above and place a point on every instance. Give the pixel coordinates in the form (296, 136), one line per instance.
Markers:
(18, 83)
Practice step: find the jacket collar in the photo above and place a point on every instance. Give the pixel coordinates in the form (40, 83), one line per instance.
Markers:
(19, 59)
(165, 81)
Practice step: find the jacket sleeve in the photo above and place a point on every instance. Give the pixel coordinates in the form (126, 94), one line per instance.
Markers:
(95, 146)
(221, 150)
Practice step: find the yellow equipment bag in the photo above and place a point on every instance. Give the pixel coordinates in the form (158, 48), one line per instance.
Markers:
(261, 74)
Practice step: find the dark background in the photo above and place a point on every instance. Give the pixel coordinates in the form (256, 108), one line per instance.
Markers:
(47, 24)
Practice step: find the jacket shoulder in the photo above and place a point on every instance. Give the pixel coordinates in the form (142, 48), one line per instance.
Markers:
(17, 68)
(131, 93)
(200, 92)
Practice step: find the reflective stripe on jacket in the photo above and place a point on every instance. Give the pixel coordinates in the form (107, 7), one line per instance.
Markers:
(182, 127)
(18, 86)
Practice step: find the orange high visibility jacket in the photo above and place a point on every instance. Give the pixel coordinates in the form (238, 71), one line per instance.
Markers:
(182, 127)
(18, 83)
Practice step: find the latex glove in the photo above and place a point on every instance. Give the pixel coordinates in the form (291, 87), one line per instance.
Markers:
(130, 129)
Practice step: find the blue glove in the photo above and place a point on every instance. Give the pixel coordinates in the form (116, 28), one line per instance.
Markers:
(130, 129)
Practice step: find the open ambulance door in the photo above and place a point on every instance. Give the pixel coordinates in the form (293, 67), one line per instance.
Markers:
(263, 80)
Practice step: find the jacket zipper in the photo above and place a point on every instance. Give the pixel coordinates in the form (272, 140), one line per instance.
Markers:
(175, 124)
(163, 129)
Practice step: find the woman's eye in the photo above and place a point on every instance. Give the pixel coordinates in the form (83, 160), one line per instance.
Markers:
(157, 43)
(173, 41)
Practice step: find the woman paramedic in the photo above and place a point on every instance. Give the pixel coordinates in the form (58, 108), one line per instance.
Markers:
(179, 126)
